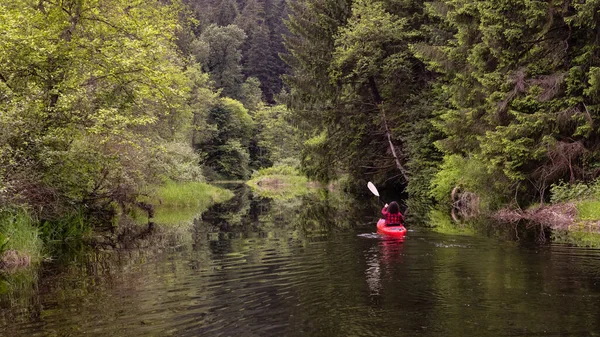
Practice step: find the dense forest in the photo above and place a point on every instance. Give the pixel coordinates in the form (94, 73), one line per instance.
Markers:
(479, 105)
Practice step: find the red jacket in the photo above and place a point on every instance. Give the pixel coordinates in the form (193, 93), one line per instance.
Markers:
(391, 218)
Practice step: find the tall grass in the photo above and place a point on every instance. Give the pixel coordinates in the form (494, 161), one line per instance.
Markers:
(18, 232)
(71, 226)
(180, 203)
(279, 182)
(190, 194)
(588, 210)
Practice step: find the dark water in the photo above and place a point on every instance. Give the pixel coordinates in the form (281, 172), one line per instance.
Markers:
(311, 267)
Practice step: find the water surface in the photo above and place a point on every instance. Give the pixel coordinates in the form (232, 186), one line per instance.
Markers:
(311, 266)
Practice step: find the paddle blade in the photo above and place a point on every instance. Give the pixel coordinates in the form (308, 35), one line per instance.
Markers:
(372, 188)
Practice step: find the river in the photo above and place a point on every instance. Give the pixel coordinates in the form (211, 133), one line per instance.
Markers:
(310, 266)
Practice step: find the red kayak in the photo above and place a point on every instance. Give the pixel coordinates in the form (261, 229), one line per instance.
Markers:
(395, 231)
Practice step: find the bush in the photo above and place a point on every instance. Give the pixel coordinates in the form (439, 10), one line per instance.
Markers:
(469, 174)
(177, 162)
(563, 192)
(278, 169)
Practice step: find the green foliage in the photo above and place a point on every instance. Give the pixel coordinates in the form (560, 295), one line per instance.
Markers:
(70, 227)
(227, 12)
(566, 192)
(578, 238)
(466, 174)
(226, 147)
(218, 50)
(258, 62)
(178, 162)
(519, 90)
(89, 93)
(251, 94)
(276, 137)
(279, 169)
(282, 181)
(189, 194)
(18, 232)
(588, 210)
(374, 86)
(316, 161)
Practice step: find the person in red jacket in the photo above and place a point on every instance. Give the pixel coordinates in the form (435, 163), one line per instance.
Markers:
(392, 214)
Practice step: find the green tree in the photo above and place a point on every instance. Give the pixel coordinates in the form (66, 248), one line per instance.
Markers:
(226, 13)
(251, 95)
(218, 51)
(88, 92)
(276, 136)
(368, 107)
(519, 79)
(227, 147)
(258, 60)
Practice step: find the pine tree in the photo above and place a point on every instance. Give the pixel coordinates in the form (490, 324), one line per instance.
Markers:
(226, 13)
(259, 59)
(519, 78)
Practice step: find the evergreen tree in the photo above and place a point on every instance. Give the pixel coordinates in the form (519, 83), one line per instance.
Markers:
(226, 13)
(521, 95)
(259, 59)
(226, 148)
(365, 105)
(218, 51)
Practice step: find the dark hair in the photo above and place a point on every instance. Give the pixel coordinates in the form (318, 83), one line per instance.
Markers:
(393, 208)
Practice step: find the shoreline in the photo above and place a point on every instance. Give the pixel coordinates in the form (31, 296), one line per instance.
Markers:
(562, 219)
(24, 244)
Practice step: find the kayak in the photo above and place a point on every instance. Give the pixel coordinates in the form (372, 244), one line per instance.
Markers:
(396, 231)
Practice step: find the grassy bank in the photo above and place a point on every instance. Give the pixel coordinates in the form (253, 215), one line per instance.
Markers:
(190, 194)
(20, 239)
(279, 182)
(24, 239)
(584, 229)
(573, 214)
(178, 203)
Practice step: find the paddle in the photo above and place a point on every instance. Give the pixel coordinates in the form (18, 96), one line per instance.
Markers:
(374, 190)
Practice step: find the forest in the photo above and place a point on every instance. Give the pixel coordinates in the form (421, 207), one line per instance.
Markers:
(468, 107)
(475, 107)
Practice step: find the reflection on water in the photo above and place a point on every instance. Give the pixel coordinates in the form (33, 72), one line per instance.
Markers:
(310, 267)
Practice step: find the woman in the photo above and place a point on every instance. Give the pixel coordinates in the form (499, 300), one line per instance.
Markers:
(392, 214)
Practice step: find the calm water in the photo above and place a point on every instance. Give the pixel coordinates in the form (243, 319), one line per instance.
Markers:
(310, 267)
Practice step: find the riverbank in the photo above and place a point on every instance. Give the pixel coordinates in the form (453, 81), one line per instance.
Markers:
(575, 222)
(280, 182)
(26, 240)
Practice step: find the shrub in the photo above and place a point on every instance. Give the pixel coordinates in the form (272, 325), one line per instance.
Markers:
(177, 162)
(563, 191)
(470, 174)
